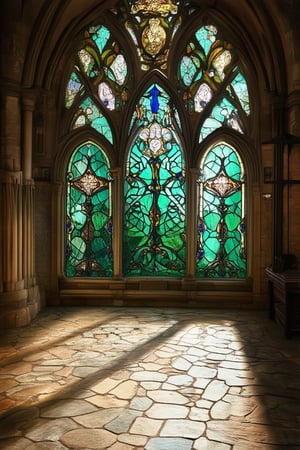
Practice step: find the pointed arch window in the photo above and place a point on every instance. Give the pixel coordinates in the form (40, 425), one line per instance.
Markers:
(221, 249)
(88, 244)
(98, 82)
(212, 84)
(155, 204)
(144, 110)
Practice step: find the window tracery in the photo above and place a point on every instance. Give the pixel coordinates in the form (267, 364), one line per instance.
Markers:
(209, 83)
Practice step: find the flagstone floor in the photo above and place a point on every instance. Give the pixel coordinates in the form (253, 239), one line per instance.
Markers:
(154, 379)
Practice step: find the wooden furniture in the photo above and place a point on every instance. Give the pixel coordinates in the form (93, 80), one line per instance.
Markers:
(284, 294)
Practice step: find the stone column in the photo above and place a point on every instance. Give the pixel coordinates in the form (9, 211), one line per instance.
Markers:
(28, 195)
(117, 205)
(191, 222)
(13, 296)
(19, 296)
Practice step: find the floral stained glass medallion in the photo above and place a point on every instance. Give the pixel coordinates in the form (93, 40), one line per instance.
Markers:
(221, 250)
(154, 219)
(152, 26)
(88, 248)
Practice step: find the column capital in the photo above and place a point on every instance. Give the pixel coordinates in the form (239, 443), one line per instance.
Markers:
(11, 177)
(29, 97)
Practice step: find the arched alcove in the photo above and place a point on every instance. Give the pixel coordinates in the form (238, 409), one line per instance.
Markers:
(146, 67)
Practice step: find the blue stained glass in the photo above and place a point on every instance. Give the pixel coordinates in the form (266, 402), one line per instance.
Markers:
(74, 86)
(154, 218)
(154, 100)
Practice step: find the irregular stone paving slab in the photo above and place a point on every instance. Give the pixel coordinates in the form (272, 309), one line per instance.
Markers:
(122, 423)
(16, 369)
(169, 444)
(183, 428)
(181, 364)
(125, 390)
(202, 372)
(107, 401)
(148, 376)
(50, 430)
(86, 438)
(161, 411)
(145, 426)
(161, 396)
(46, 446)
(215, 390)
(15, 444)
(199, 414)
(205, 444)
(221, 410)
(132, 439)
(99, 418)
(140, 403)
(68, 408)
(150, 385)
(180, 380)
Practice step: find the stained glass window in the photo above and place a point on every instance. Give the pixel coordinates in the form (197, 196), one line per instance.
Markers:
(88, 248)
(155, 216)
(221, 249)
(211, 82)
(88, 114)
(134, 110)
(100, 69)
(152, 27)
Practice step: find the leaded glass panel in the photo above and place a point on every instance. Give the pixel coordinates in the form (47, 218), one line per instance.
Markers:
(74, 86)
(223, 114)
(211, 83)
(100, 62)
(152, 26)
(88, 248)
(154, 216)
(88, 114)
(221, 249)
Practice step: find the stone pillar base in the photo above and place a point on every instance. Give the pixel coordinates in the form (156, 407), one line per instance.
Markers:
(18, 308)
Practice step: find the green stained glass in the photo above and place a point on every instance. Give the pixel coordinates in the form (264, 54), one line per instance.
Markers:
(100, 66)
(88, 248)
(239, 85)
(223, 114)
(166, 113)
(221, 250)
(206, 36)
(88, 114)
(101, 58)
(154, 219)
(73, 88)
(188, 70)
(211, 83)
(100, 35)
